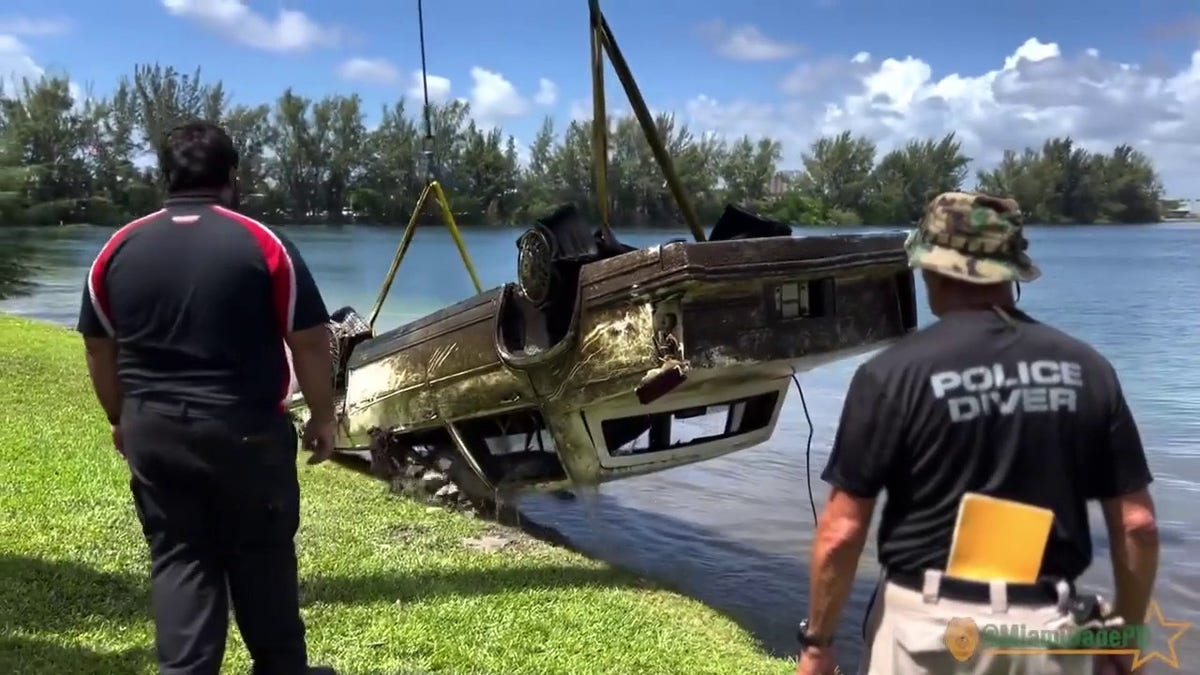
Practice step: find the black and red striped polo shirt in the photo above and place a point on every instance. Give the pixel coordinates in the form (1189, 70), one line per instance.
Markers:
(199, 299)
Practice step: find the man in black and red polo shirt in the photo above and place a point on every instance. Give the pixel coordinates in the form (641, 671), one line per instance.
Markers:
(185, 317)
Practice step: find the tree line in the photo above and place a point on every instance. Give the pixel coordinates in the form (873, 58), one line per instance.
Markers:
(68, 159)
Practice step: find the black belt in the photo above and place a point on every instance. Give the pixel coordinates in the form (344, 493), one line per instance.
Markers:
(188, 410)
(963, 590)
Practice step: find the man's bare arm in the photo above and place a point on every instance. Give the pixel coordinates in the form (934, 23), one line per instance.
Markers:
(314, 370)
(102, 367)
(841, 535)
(864, 454)
(307, 336)
(1133, 543)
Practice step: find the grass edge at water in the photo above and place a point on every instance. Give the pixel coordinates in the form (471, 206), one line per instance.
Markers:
(387, 584)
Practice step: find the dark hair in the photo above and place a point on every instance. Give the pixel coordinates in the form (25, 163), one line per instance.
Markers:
(197, 156)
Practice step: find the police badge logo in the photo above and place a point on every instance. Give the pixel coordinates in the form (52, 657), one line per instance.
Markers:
(962, 638)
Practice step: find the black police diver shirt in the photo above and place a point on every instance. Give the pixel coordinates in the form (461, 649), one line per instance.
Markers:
(974, 403)
(199, 298)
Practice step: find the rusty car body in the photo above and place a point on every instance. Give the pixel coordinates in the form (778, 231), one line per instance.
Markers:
(596, 366)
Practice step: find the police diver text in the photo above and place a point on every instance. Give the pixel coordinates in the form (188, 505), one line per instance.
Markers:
(1031, 387)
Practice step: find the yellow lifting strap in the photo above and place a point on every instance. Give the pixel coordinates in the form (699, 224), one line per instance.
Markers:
(432, 187)
(435, 189)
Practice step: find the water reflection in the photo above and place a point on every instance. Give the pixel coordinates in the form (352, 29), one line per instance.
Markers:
(17, 252)
(46, 269)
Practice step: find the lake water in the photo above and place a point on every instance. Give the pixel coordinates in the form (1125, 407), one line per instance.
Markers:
(735, 532)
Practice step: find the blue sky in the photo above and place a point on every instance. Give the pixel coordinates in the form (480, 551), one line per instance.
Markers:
(782, 68)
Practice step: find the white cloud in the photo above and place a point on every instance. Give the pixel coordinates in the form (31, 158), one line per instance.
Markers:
(1034, 93)
(547, 92)
(289, 31)
(31, 27)
(494, 99)
(17, 63)
(580, 111)
(372, 71)
(439, 88)
(16, 56)
(522, 151)
(745, 43)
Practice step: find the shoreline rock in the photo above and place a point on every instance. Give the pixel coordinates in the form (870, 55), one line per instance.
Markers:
(430, 478)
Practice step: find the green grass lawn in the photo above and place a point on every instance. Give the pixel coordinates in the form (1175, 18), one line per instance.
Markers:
(387, 584)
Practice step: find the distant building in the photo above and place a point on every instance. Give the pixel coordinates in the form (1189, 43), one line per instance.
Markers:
(783, 182)
(1178, 209)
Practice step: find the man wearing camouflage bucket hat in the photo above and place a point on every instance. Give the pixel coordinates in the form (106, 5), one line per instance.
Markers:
(990, 432)
(973, 238)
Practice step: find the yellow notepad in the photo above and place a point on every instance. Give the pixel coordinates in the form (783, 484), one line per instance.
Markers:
(998, 540)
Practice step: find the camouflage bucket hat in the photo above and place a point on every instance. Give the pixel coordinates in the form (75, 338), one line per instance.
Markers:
(972, 237)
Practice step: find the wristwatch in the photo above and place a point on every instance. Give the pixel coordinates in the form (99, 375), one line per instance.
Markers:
(807, 639)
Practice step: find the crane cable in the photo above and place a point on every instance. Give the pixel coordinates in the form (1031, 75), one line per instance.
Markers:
(428, 150)
(432, 189)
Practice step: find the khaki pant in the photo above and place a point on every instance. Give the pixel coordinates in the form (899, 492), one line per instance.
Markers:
(906, 635)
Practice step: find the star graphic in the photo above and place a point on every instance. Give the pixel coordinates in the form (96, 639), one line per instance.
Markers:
(1180, 627)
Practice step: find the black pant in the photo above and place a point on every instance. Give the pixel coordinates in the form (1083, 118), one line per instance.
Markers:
(219, 503)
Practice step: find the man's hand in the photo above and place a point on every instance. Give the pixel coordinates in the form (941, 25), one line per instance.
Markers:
(318, 437)
(118, 440)
(817, 661)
